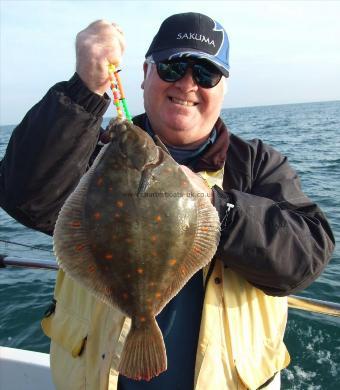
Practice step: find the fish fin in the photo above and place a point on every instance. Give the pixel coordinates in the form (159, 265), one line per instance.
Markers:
(70, 232)
(202, 250)
(143, 356)
(71, 246)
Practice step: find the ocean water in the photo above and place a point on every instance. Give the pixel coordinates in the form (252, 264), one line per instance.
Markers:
(309, 135)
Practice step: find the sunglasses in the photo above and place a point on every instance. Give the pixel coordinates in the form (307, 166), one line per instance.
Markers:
(205, 74)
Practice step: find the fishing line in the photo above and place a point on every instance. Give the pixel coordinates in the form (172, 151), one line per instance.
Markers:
(25, 245)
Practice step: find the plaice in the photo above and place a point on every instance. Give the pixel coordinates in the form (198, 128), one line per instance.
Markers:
(133, 232)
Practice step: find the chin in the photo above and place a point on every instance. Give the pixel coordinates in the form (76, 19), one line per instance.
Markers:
(180, 122)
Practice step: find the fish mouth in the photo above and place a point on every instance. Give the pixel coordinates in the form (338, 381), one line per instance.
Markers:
(182, 102)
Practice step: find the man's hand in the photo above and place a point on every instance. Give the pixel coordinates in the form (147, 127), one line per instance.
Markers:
(100, 44)
(199, 183)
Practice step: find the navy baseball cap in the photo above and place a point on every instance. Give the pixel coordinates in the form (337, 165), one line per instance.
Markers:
(191, 35)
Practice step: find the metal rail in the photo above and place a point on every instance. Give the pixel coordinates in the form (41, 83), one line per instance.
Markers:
(294, 302)
(314, 305)
(27, 263)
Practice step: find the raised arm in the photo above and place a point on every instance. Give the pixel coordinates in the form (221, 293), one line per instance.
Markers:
(50, 149)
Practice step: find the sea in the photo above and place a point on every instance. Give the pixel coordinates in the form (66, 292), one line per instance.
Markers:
(309, 135)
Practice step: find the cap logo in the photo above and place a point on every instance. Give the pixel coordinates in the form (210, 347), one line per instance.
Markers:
(196, 37)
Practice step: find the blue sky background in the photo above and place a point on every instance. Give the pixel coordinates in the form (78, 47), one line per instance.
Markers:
(281, 51)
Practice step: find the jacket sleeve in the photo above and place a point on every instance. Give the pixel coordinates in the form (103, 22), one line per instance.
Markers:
(48, 153)
(275, 236)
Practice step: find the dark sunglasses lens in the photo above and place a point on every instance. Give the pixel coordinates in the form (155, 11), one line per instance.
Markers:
(206, 75)
(171, 71)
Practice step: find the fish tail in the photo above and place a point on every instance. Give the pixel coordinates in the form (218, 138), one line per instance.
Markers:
(143, 356)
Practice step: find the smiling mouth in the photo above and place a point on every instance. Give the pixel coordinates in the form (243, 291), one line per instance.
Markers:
(186, 103)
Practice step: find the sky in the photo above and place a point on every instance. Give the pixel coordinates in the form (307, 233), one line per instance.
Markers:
(280, 51)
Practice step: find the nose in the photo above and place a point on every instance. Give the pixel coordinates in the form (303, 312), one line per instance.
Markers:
(187, 83)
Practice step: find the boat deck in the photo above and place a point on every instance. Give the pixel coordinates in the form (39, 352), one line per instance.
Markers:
(24, 370)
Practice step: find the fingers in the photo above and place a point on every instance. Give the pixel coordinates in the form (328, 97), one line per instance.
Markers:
(103, 24)
(99, 44)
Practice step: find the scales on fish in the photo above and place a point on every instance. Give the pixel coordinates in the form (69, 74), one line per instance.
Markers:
(133, 233)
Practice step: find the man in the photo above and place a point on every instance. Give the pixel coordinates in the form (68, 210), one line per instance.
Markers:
(224, 330)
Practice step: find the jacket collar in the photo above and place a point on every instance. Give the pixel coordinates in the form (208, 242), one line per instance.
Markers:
(213, 158)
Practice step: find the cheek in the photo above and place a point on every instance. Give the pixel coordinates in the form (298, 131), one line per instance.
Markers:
(148, 97)
(154, 95)
(213, 100)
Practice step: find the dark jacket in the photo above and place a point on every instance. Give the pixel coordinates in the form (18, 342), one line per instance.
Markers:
(275, 237)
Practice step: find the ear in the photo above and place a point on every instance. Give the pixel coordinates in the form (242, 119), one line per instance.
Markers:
(145, 69)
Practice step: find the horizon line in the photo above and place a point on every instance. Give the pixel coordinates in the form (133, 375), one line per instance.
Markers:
(234, 107)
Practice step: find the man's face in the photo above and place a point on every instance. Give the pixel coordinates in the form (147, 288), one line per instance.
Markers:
(181, 113)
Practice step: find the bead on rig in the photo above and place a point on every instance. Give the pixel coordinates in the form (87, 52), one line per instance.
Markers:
(119, 99)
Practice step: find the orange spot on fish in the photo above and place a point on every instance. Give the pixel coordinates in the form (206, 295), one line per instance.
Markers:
(205, 228)
(75, 224)
(80, 247)
(100, 181)
(158, 295)
(197, 250)
(125, 295)
(140, 271)
(108, 256)
(153, 238)
(158, 218)
(91, 268)
(184, 183)
(172, 262)
(97, 215)
(120, 203)
(142, 319)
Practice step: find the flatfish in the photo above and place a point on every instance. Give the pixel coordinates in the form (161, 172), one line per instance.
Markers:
(133, 232)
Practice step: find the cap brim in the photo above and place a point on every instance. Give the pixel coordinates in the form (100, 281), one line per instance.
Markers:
(170, 54)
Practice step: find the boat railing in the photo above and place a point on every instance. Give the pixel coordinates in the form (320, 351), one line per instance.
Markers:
(294, 301)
